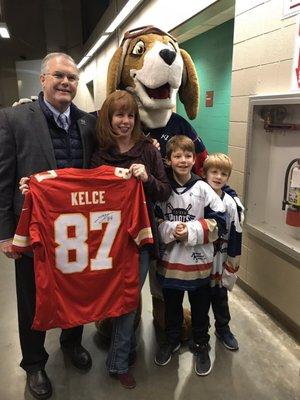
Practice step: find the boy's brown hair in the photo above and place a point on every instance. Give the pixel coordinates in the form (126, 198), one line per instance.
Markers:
(217, 160)
(180, 142)
(120, 100)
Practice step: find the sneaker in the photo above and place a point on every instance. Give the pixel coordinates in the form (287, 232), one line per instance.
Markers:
(127, 380)
(164, 354)
(195, 347)
(203, 364)
(228, 340)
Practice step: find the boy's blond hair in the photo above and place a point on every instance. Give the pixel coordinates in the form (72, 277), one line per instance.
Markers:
(180, 142)
(217, 160)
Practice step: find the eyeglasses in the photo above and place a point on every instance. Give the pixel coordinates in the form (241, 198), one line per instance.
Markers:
(60, 76)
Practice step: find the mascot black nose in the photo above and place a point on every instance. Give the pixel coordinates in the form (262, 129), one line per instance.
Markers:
(168, 56)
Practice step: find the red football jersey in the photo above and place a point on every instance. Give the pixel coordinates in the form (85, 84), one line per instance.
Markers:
(85, 228)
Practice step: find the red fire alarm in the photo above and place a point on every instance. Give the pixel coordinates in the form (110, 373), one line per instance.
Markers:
(209, 98)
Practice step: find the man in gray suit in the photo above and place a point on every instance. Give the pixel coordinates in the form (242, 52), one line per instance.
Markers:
(47, 134)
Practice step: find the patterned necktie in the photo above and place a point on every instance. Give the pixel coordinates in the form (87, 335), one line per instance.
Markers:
(62, 122)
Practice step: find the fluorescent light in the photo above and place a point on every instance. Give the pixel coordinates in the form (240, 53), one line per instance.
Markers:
(4, 31)
(123, 14)
(93, 50)
(83, 61)
(97, 45)
(120, 18)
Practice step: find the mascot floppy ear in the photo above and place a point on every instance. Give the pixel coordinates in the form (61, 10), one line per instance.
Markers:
(114, 71)
(189, 88)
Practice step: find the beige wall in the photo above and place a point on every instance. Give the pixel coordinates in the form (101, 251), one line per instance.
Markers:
(262, 64)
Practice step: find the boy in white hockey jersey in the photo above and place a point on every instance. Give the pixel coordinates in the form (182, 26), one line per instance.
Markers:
(189, 222)
(216, 170)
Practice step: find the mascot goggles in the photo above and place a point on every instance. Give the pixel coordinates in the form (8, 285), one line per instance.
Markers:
(143, 30)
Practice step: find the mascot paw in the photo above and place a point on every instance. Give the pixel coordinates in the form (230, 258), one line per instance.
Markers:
(158, 313)
(186, 331)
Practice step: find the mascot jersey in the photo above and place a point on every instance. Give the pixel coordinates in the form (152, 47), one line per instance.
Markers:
(186, 265)
(85, 228)
(228, 246)
(179, 126)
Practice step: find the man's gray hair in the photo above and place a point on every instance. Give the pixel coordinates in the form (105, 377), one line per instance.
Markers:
(49, 57)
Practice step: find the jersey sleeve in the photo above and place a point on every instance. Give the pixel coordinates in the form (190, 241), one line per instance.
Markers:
(234, 246)
(208, 229)
(201, 232)
(140, 229)
(240, 208)
(166, 231)
(26, 235)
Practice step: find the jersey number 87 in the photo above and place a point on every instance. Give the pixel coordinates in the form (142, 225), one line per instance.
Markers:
(78, 243)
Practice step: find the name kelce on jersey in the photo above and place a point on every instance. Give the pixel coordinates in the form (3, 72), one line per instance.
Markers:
(83, 198)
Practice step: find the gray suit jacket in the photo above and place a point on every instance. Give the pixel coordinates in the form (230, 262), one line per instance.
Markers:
(25, 149)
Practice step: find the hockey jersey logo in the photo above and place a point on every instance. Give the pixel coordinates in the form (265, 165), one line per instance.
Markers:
(179, 214)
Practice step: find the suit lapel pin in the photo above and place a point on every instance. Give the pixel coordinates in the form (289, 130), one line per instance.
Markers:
(83, 122)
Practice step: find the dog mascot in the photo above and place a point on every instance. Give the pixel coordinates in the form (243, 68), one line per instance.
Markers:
(150, 65)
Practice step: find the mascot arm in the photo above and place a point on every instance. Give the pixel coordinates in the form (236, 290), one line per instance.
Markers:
(199, 160)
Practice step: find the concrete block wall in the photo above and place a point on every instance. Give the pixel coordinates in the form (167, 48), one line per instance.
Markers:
(262, 64)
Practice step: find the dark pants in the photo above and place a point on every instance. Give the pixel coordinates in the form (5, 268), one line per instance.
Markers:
(219, 302)
(200, 303)
(32, 342)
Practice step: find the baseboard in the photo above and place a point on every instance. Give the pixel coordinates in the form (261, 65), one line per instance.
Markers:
(280, 318)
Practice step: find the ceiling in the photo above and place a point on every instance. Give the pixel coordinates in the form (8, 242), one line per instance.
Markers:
(26, 27)
(40, 26)
(209, 18)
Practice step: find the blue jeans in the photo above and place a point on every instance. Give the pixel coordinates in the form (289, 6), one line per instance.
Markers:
(123, 338)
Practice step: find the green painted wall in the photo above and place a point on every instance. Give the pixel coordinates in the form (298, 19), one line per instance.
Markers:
(212, 55)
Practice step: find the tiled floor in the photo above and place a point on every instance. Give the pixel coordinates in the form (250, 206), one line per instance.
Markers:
(265, 368)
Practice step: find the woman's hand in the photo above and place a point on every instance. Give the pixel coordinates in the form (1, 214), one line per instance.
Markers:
(139, 172)
(23, 185)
